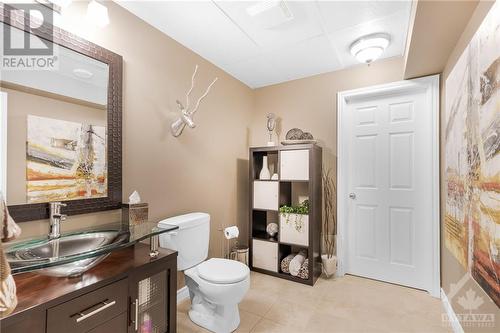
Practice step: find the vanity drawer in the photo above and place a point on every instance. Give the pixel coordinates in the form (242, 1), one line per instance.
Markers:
(88, 311)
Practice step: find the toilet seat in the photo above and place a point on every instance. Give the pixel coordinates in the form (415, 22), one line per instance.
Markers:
(222, 271)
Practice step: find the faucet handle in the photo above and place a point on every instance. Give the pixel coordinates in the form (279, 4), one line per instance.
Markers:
(60, 217)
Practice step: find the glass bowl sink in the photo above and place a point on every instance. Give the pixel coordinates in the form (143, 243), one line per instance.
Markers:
(50, 250)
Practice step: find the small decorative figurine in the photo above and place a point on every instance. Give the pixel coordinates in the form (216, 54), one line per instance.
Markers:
(271, 126)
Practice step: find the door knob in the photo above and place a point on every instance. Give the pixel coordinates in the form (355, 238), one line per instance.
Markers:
(352, 195)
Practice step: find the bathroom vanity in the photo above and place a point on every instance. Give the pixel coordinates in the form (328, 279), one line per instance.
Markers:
(127, 292)
(94, 279)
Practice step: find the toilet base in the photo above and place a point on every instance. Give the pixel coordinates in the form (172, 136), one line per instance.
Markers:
(215, 318)
(215, 306)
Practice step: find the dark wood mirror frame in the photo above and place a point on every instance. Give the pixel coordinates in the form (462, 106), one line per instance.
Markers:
(30, 212)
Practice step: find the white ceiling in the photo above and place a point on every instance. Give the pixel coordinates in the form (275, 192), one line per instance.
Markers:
(315, 41)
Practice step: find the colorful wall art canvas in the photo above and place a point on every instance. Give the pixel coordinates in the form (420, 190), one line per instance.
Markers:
(65, 160)
(472, 157)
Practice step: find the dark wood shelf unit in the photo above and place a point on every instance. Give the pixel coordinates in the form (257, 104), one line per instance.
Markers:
(262, 235)
(259, 217)
(281, 275)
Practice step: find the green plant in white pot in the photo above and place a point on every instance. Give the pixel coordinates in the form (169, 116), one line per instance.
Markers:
(294, 224)
(329, 229)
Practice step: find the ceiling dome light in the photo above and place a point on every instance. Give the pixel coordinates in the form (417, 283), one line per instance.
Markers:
(97, 14)
(369, 48)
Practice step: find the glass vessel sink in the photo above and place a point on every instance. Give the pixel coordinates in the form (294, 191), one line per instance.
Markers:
(74, 253)
(49, 250)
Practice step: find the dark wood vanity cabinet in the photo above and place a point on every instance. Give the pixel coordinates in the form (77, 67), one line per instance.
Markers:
(153, 299)
(127, 292)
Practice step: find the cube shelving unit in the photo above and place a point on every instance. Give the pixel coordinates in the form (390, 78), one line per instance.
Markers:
(299, 177)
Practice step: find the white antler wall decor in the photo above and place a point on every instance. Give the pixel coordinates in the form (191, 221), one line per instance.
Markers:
(186, 117)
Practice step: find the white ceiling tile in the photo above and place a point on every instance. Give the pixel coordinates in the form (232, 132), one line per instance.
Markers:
(255, 72)
(198, 25)
(396, 25)
(309, 57)
(302, 26)
(339, 15)
(315, 41)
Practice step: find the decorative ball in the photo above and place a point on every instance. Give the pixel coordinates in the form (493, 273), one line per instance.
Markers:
(306, 136)
(294, 134)
(272, 229)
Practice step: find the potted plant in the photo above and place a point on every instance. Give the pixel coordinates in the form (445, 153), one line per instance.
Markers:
(294, 224)
(329, 230)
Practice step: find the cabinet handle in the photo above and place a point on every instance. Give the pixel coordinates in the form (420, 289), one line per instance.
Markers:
(96, 311)
(136, 319)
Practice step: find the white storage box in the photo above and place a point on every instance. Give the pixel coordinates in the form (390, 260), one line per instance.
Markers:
(296, 231)
(265, 255)
(294, 165)
(265, 195)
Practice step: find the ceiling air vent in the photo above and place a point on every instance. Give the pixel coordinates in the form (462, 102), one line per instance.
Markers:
(270, 13)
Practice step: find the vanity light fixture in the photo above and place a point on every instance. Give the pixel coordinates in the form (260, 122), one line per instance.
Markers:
(370, 47)
(97, 14)
(55, 5)
(82, 73)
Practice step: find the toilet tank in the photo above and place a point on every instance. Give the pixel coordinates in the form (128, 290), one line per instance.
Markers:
(190, 240)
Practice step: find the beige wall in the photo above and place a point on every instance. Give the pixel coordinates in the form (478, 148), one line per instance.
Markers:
(436, 28)
(451, 270)
(203, 170)
(311, 103)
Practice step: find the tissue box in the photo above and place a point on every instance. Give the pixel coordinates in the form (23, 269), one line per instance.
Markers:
(135, 213)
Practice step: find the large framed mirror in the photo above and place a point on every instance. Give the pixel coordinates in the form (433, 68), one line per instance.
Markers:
(61, 122)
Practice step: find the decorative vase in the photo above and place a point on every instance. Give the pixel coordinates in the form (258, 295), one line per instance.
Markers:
(329, 265)
(265, 174)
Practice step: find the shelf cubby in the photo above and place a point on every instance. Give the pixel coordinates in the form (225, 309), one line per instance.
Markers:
(272, 161)
(260, 221)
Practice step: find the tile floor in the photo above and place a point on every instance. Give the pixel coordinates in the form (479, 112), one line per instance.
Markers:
(348, 304)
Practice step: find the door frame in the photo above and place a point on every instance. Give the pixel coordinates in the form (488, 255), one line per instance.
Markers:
(431, 86)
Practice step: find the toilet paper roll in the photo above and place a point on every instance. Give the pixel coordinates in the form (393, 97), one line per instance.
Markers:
(231, 232)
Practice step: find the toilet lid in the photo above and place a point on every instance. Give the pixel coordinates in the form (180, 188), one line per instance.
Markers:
(223, 271)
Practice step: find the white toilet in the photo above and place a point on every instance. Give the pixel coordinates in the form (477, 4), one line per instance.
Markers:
(216, 286)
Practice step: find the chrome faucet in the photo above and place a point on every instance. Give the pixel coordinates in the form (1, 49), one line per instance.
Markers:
(55, 219)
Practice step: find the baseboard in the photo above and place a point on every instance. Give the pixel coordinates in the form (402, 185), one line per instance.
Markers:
(182, 294)
(452, 317)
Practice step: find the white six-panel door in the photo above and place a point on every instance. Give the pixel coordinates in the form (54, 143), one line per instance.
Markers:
(388, 186)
